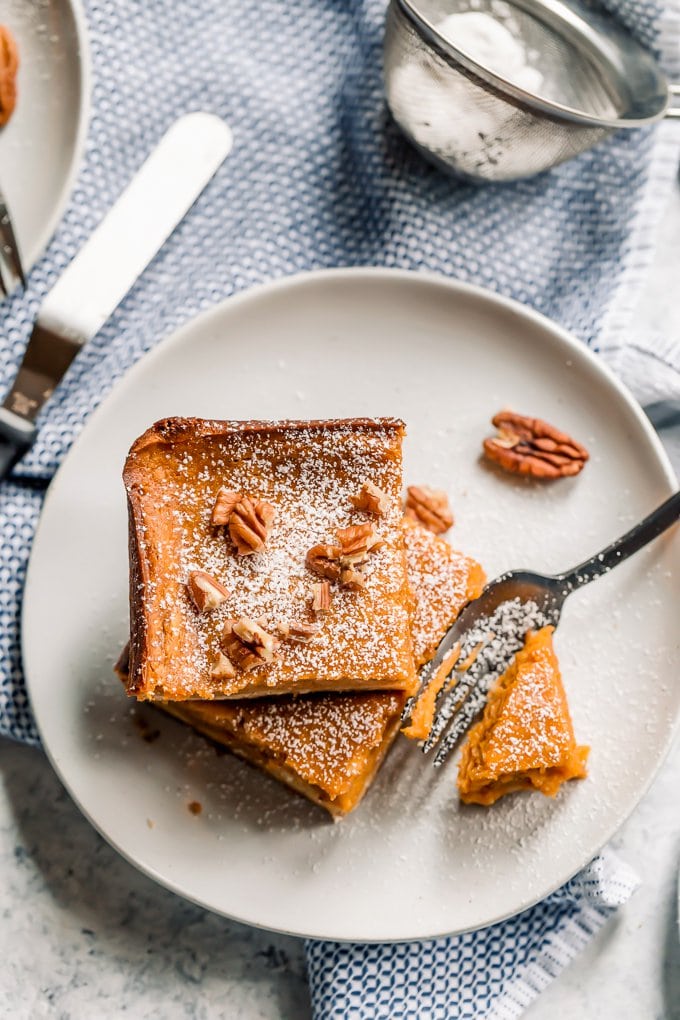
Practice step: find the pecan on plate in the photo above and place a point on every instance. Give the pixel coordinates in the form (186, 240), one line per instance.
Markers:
(429, 507)
(249, 525)
(9, 65)
(247, 644)
(529, 446)
(371, 500)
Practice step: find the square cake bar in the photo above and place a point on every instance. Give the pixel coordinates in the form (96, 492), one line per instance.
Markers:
(267, 558)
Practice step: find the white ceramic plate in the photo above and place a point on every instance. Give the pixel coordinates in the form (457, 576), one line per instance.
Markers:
(411, 862)
(41, 147)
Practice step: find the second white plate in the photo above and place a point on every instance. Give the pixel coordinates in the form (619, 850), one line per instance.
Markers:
(41, 147)
(411, 862)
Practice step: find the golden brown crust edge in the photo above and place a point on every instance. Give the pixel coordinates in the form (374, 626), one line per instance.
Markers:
(138, 632)
(169, 431)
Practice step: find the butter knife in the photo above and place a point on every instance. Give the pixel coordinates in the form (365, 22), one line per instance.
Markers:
(102, 273)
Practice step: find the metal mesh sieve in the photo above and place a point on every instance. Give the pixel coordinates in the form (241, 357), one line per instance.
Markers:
(588, 79)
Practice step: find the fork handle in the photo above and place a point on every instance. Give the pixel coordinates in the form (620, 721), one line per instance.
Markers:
(639, 536)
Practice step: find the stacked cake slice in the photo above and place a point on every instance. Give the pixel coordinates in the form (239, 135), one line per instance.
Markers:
(279, 603)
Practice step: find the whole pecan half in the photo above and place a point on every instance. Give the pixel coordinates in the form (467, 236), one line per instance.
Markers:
(429, 507)
(529, 446)
(249, 525)
(9, 65)
(248, 520)
(225, 501)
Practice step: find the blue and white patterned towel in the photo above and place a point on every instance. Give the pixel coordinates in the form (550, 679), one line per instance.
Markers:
(320, 177)
(492, 974)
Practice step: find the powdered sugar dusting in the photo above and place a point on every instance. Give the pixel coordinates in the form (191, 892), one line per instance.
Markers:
(502, 635)
(533, 729)
(328, 740)
(443, 580)
(308, 473)
(325, 739)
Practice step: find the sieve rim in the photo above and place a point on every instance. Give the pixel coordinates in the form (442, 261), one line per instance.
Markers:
(547, 107)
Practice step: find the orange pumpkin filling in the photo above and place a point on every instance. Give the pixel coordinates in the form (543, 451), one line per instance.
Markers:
(329, 746)
(525, 738)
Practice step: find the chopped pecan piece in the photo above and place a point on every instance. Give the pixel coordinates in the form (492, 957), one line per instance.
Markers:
(529, 446)
(206, 591)
(247, 644)
(321, 597)
(352, 579)
(241, 654)
(253, 634)
(324, 560)
(356, 542)
(429, 507)
(371, 499)
(339, 562)
(225, 502)
(222, 668)
(302, 632)
(249, 525)
(9, 65)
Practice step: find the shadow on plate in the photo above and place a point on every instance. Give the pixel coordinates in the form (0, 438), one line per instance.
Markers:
(185, 766)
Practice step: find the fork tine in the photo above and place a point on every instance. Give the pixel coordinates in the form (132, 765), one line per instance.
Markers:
(485, 636)
(10, 247)
(464, 700)
(465, 675)
(431, 674)
(459, 724)
(450, 704)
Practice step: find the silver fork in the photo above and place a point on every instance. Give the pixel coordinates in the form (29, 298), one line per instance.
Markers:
(11, 269)
(520, 595)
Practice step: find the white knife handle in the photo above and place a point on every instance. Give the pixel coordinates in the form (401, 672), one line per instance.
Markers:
(129, 236)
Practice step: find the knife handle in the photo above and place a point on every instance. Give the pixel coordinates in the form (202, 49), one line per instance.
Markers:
(91, 287)
(143, 217)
